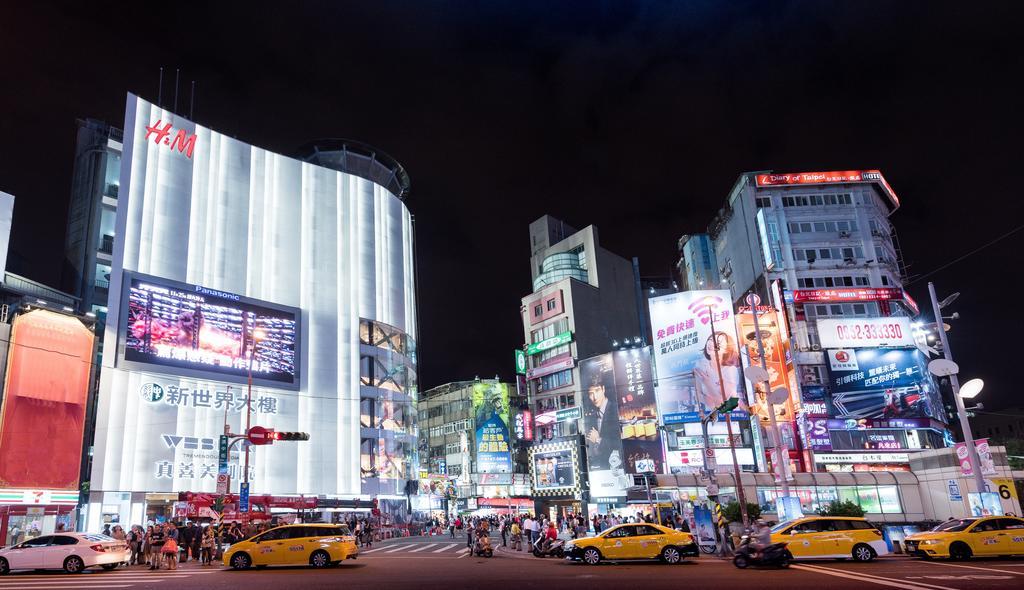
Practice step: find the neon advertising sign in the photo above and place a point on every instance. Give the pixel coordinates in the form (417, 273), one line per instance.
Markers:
(182, 140)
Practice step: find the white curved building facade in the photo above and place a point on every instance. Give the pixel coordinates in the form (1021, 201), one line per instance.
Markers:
(231, 223)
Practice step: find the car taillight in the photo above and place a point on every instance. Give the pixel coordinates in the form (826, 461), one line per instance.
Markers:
(97, 548)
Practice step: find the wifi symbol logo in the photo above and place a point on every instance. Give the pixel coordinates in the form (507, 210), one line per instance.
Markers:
(704, 307)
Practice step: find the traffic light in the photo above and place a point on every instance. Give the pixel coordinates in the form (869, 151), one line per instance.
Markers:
(728, 405)
(281, 436)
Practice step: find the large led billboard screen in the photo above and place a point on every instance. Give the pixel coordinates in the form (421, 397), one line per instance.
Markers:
(180, 327)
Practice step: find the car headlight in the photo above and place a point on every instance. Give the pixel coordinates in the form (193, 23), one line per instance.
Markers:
(930, 542)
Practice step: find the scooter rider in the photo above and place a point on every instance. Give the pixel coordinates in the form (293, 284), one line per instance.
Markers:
(761, 537)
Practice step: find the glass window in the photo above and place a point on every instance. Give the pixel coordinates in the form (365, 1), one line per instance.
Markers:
(538, 311)
(622, 531)
(644, 530)
(64, 540)
(1011, 523)
(552, 304)
(986, 526)
(868, 499)
(810, 526)
(954, 526)
(38, 541)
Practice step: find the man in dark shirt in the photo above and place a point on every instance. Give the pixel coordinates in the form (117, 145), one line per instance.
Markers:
(186, 535)
(156, 541)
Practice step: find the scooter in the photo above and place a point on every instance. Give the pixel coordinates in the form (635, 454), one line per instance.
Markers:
(775, 554)
(542, 549)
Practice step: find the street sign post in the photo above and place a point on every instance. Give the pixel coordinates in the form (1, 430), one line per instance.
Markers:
(243, 497)
(223, 483)
(709, 459)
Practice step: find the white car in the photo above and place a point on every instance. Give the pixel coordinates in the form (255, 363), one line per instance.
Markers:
(71, 552)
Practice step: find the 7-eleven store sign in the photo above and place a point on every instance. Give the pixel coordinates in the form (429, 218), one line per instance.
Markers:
(38, 497)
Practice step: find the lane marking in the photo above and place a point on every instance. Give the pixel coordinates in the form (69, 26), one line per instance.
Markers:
(395, 550)
(429, 545)
(896, 583)
(442, 549)
(61, 587)
(972, 567)
(461, 555)
(372, 550)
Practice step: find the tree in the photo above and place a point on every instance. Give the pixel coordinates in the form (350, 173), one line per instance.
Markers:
(731, 511)
(842, 508)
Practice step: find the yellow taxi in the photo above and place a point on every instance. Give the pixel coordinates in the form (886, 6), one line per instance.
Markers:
(963, 538)
(831, 537)
(633, 541)
(319, 545)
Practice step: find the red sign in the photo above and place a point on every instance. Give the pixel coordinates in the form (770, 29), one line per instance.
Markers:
(259, 435)
(833, 177)
(840, 295)
(182, 140)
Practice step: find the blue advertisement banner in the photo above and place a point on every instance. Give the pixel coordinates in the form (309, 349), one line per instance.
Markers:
(882, 383)
(491, 411)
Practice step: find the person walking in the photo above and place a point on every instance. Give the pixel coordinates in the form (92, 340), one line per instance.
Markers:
(197, 542)
(504, 533)
(156, 545)
(451, 527)
(170, 552)
(528, 528)
(206, 546)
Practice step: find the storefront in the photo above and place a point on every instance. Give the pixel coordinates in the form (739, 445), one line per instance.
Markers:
(25, 514)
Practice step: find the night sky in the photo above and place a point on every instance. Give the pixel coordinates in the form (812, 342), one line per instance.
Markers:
(636, 117)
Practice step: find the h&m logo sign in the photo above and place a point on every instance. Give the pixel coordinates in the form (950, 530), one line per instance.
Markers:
(182, 140)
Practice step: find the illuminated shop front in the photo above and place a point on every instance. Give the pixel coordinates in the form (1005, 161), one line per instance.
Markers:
(231, 261)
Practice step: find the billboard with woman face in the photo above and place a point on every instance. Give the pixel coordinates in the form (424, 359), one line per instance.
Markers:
(686, 355)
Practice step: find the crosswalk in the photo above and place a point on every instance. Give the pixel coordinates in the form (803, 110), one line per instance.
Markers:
(126, 578)
(420, 548)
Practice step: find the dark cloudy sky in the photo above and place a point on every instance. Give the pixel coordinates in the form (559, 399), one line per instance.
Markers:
(636, 117)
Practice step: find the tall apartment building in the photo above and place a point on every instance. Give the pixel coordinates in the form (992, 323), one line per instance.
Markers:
(820, 247)
(584, 303)
(89, 241)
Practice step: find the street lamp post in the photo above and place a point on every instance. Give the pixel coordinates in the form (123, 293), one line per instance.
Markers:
(257, 335)
(780, 451)
(740, 496)
(965, 425)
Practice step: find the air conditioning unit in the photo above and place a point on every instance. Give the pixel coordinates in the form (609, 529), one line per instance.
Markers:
(844, 234)
(815, 347)
(849, 260)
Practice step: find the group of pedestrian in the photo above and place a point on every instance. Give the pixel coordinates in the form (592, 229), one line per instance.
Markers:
(164, 545)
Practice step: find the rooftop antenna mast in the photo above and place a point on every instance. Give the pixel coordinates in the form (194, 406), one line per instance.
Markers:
(160, 89)
(192, 102)
(177, 75)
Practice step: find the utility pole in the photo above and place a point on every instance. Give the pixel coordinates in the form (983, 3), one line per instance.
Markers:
(781, 453)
